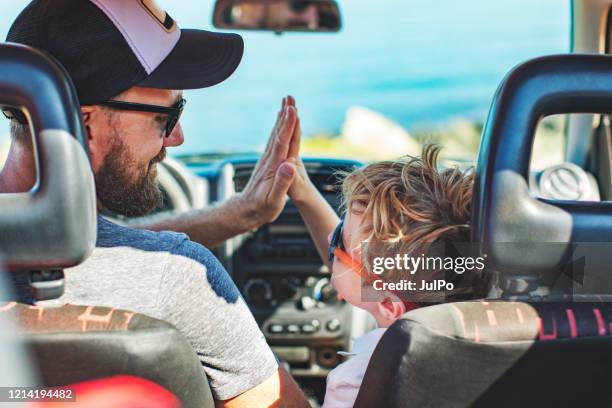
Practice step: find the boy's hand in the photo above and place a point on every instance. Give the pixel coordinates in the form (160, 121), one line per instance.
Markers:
(319, 216)
(302, 188)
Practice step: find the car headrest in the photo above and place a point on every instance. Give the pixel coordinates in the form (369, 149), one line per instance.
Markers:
(54, 225)
(503, 210)
(73, 343)
(17, 367)
(502, 354)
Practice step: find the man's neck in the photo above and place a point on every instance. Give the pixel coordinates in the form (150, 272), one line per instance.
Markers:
(19, 172)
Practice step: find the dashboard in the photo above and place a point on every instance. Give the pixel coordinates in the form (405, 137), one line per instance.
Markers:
(285, 283)
(283, 280)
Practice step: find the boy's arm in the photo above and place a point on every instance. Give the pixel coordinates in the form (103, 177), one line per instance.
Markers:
(319, 216)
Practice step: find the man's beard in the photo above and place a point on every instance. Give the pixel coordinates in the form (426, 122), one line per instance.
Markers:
(116, 189)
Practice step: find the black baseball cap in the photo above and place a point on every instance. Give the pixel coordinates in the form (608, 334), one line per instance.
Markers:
(108, 46)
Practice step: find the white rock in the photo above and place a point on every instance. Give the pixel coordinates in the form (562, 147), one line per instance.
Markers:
(365, 129)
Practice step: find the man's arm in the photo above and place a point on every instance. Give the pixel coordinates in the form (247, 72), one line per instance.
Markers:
(209, 226)
(261, 202)
(278, 391)
(199, 298)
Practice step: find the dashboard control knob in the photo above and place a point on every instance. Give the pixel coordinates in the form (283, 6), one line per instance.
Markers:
(276, 328)
(327, 357)
(257, 291)
(311, 327)
(324, 291)
(307, 303)
(333, 325)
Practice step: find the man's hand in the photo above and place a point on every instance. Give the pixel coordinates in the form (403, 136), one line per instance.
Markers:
(278, 391)
(265, 194)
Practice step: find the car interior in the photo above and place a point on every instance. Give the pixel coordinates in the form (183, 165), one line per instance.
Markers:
(544, 338)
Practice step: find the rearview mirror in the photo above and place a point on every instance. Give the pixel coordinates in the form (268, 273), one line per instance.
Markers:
(277, 15)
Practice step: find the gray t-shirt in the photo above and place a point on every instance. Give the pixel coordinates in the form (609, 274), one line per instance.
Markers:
(167, 276)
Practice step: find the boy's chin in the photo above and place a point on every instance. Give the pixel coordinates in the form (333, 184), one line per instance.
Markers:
(370, 305)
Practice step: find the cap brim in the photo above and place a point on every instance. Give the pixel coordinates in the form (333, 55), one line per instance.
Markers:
(200, 59)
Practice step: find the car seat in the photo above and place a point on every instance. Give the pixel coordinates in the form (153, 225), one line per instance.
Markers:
(549, 341)
(53, 227)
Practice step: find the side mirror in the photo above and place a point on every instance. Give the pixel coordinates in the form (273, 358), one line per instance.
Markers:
(277, 15)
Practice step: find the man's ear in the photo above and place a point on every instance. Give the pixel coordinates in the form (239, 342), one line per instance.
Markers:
(391, 307)
(86, 114)
(89, 113)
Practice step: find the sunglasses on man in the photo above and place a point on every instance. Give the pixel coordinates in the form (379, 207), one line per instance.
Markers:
(338, 250)
(174, 112)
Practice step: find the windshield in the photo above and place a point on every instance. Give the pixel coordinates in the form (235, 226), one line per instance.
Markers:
(398, 72)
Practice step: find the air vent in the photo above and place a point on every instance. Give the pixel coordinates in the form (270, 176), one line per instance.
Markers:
(289, 216)
(242, 173)
(325, 177)
(567, 181)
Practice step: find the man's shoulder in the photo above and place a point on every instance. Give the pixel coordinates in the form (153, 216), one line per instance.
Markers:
(130, 268)
(112, 235)
(176, 268)
(178, 251)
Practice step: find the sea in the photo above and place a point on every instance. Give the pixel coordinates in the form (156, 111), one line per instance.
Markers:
(421, 63)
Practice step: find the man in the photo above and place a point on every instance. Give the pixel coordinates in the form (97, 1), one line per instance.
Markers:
(129, 60)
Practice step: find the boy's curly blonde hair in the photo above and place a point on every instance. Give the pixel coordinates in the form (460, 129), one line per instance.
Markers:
(410, 199)
(411, 202)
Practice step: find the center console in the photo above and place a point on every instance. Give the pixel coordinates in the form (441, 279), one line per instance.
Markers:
(285, 283)
(290, 294)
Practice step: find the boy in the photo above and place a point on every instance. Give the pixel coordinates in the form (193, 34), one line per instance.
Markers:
(407, 202)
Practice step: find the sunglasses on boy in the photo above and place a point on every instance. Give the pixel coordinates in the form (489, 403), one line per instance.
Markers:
(174, 112)
(337, 250)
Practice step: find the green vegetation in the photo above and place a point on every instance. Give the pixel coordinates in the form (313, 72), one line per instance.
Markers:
(459, 138)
